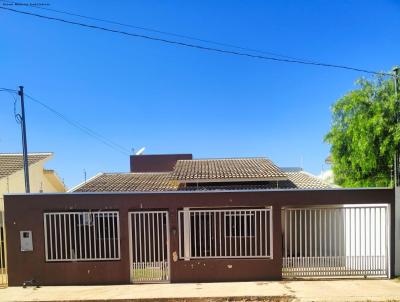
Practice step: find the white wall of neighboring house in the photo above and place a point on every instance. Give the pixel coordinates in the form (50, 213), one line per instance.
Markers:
(327, 176)
(40, 180)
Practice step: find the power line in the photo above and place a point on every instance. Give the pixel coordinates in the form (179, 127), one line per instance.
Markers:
(189, 45)
(83, 128)
(160, 31)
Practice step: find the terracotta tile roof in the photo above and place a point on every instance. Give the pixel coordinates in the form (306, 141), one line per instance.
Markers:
(304, 180)
(128, 182)
(161, 182)
(11, 163)
(226, 169)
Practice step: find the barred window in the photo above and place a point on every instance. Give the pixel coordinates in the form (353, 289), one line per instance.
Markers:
(222, 233)
(82, 236)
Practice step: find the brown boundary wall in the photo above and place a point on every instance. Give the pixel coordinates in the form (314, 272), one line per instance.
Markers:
(25, 212)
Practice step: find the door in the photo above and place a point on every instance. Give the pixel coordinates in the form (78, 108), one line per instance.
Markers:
(149, 246)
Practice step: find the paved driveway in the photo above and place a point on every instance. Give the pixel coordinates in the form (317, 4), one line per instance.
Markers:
(337, 290)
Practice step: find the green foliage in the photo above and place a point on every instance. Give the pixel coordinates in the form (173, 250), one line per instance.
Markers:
(364, 135)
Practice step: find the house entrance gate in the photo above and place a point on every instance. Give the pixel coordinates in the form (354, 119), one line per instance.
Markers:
(149, 246)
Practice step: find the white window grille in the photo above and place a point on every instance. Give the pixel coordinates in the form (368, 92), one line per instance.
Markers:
(82, 236)
(217, 233)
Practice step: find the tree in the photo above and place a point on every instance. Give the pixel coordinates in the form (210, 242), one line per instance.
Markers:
(365, 134)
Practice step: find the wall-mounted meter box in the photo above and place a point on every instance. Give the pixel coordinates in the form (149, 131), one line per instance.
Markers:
(26, 241)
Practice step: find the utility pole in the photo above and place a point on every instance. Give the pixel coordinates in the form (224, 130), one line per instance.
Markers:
(24, 142)
(396, 76)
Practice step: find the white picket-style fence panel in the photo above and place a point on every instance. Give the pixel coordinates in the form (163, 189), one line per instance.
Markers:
(336, 241)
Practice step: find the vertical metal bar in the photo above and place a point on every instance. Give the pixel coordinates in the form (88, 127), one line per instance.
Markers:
(306, 255)
(104, 236)
(140, 233)
(99, 235)
(60, 239)
(245, 234)
(290, 236)
(180, 235)
(55, 236)
(301, 237)
(200, 235)
(365, 242)
(164, 216)
(295, 237)
(158, 237)
(75, 238)
(147, 240)
(168, 246)
(51, 227)
(271, 240)
(70, 236)
(115, 236)
(255, 233)
(153, 215)
(371, 272)
(234, 233)
(215, 234)
(130, 241)
(261, 237)
(135, 242)
(84, 234)
(220, 233)
(109, 235)
(45, 216)
(251, 231)
(205, 233)
(311, 239)
(195, 229)
(380, 240)
(230, 233)
(89, 235)
(285, 233)
(65, 235)
(209, 233)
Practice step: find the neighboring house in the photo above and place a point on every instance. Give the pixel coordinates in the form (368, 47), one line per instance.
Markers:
(12, 181)
(173, 218)
(40, 179)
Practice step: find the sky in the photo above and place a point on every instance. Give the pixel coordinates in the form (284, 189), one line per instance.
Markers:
(171, 99)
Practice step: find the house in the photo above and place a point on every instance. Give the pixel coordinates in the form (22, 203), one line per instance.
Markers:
(173, 218)
(12, 181)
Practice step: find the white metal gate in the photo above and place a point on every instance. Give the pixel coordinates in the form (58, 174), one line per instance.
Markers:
(336, 241)
(149, 246)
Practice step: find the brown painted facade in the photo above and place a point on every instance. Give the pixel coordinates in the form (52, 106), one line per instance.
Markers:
(25, 212)
(156, 162)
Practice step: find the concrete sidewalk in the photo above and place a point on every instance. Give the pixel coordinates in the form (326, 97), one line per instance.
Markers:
(332, 290)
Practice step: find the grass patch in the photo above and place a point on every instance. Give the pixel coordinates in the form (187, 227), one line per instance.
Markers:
(150, 273)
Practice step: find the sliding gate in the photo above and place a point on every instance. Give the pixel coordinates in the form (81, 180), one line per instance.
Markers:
(149, 246)
(336, 241)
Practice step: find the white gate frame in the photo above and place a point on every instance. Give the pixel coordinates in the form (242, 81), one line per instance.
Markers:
(131, 260)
